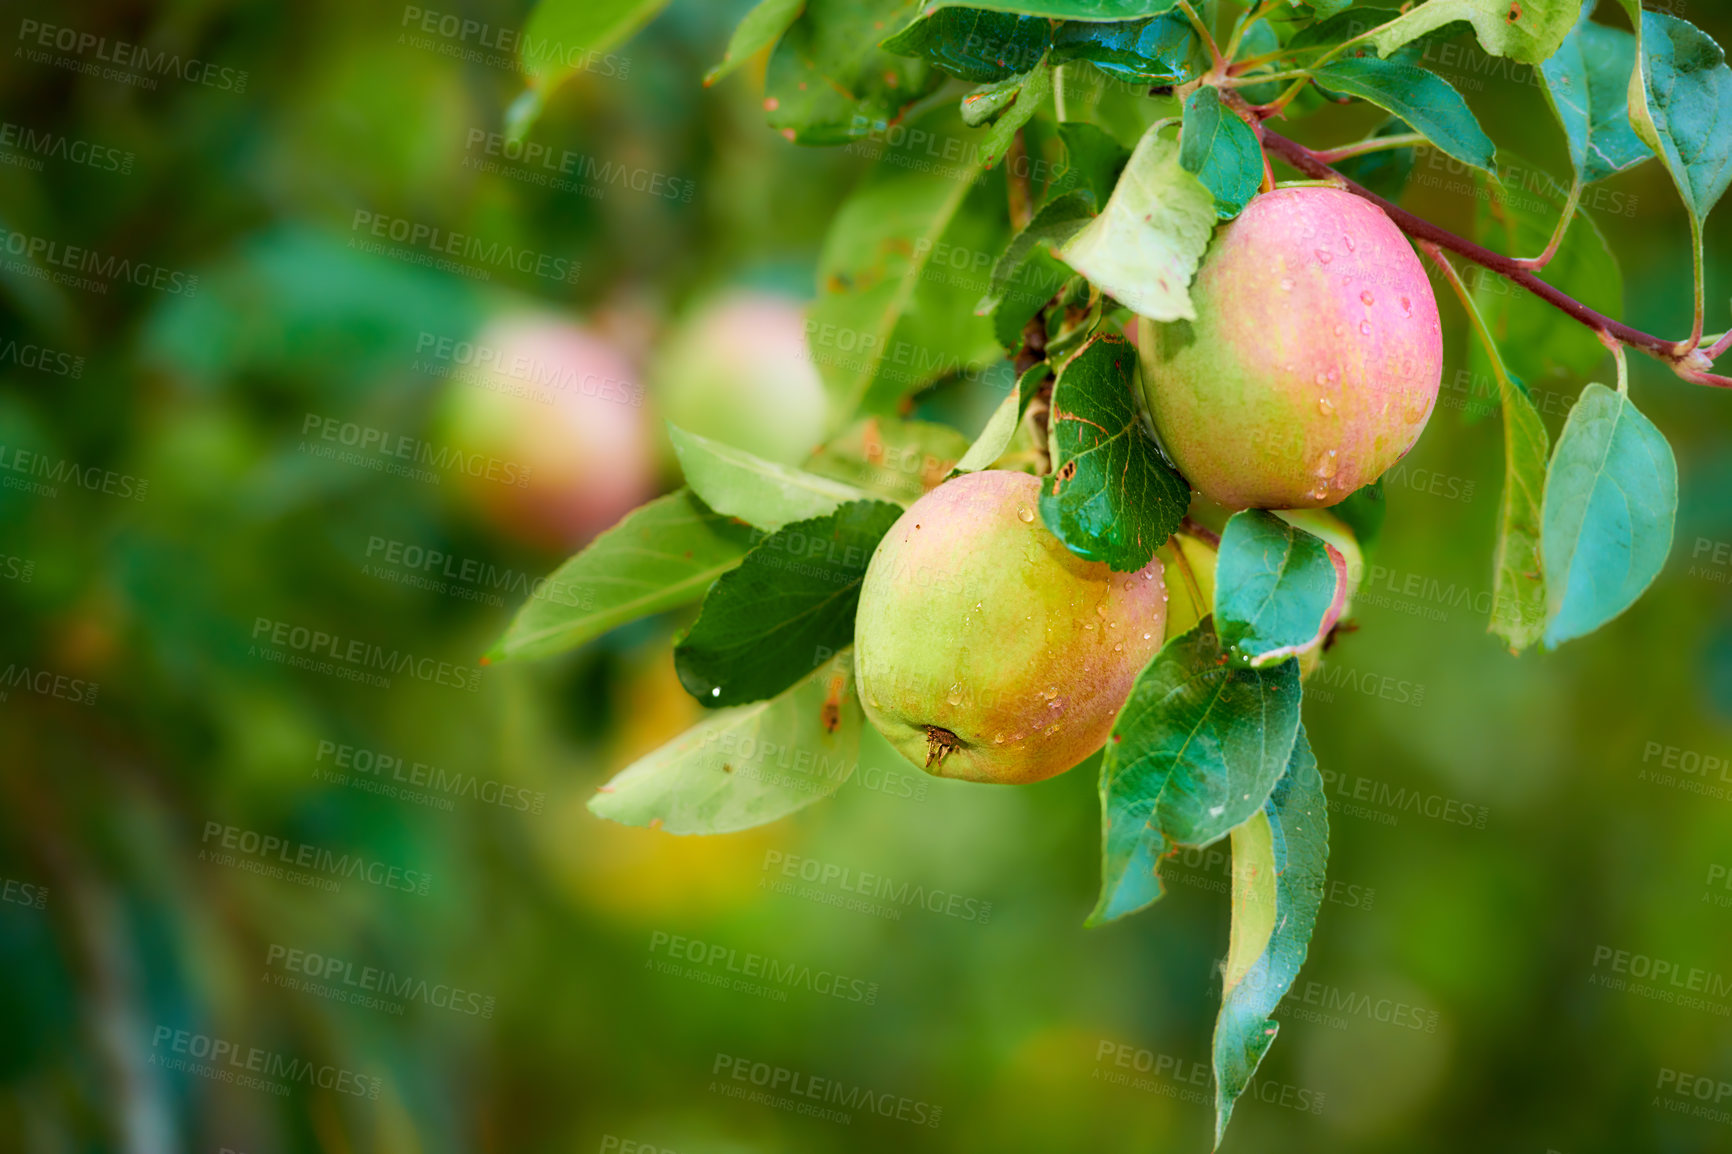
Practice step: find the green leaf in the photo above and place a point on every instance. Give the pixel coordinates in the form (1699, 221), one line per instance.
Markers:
(1222, 150)
(1273, 585)
(746, 766)
(973, 44)
(1110, 496)
(1096, 10)
(1145, 245)
(660, 557)
(762, 26)
(1682, 108)
(1424, 99)
(787, 607)
(887, 321)
(892, 458)
(1260, 39)
(1162, 50)
(1386, 171)
(1056, 222)
(1196, 750)
(562, 35)
(1518, 606)
(1525, 30)
(1540, 342)
(1093, 159)
(1611, 498)
(995, 438)
(828, 81)
(1279, 860)
(986, 103)
(1340, 26)
(1588, 85)
(1036, 90)
(761, 493)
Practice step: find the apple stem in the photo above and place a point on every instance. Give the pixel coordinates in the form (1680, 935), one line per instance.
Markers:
(1686, 364)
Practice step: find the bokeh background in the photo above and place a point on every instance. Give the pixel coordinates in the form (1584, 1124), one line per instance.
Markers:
(1528, 946)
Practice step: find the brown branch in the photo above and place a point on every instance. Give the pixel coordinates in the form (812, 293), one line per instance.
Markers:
(1312, 165)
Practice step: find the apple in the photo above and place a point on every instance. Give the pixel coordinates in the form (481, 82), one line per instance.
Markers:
(1314, 361)
(551, 424)
(737, 370)
(986, 650)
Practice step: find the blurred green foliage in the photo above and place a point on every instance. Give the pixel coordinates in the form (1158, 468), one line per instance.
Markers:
(1453, 997)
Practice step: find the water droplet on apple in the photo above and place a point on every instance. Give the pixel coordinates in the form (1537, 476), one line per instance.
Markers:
(955, 697)
(1024, 512)
(1367, 298)
(1320, 492)
(1325, 406)
(1051, 692)
(1348, 241)
(1406, 307)
(1326, 465)
(1324, 256)
(1286, 284)
(1116, 649)
(1365, 328)
(998, 739)
(1148, 636)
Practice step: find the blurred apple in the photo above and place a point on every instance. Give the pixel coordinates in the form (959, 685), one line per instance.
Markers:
(556, 415)
(736, 369)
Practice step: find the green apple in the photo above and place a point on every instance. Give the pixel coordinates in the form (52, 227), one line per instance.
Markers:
(736, 369)
(985, 649)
